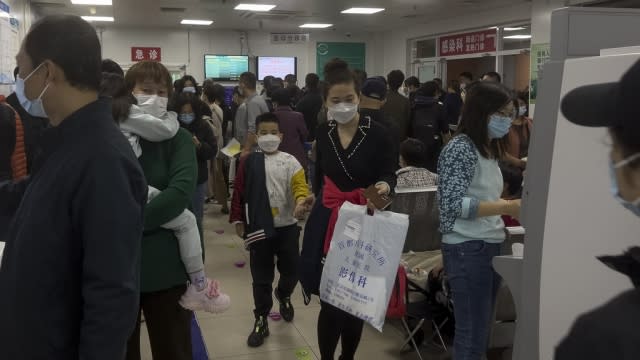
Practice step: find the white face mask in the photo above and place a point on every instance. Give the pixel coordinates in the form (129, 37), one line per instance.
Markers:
(343, 112)
(33, 107)
(153, 104)
(189, 89)
(269, 143)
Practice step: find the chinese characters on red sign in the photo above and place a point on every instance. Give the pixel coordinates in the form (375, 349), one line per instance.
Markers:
(146, 53)
(468, 43)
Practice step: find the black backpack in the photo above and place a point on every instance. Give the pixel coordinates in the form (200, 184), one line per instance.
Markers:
(425, 126)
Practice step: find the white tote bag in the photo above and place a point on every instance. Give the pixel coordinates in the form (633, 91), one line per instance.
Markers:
(362, 263)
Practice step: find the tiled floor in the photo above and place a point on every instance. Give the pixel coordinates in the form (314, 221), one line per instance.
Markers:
(226, 334)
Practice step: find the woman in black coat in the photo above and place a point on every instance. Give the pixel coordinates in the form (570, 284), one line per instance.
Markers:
(191, 111)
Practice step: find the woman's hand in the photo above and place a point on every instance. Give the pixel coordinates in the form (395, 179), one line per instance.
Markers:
(196, 142)
(512, 208)
(383, 189)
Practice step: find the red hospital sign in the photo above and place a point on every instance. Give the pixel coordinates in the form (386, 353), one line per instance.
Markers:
(468, 43)
(146, 53)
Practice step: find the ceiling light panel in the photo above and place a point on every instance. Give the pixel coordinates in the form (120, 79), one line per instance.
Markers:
(316, 26)
(254, 7)
(365, 11)
(196, 22)
(98, 18)
(518, 37)
(92, 2)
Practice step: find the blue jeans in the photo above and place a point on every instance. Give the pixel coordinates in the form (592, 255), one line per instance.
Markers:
(474, 285)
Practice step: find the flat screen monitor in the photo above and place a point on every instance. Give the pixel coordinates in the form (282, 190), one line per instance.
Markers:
(225, 67)
(276, 66)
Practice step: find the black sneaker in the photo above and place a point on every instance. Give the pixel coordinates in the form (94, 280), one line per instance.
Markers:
(260, 331)
(286, 309)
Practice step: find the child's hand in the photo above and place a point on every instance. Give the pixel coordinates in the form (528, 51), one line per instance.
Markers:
(240, 230)
(299, 211)
(303, 207)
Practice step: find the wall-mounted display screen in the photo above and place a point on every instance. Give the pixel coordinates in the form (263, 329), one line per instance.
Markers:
(276, 66)
(225, 67)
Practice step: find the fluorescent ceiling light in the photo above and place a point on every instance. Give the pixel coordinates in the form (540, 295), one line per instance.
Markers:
(518, 37)
(196, 22)
(367, 11)
(4, 15)
(98, 18)
(91, 2)
(316, 26)
(514, 28)
(254, 7)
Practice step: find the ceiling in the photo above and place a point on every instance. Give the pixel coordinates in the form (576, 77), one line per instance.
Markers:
(287, 16)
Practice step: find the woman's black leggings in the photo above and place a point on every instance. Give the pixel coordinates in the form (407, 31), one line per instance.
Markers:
(334, 324)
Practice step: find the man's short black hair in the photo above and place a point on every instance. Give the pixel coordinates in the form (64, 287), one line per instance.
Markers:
(281, 96)
(395, 79)
(267, 118)
(112, 67)
(413, 152)
(412, 81)
(429, 89)
(72, 44)
(16, 71)
(467, 75)
(494, 76)
(249, 80)
(311, 81)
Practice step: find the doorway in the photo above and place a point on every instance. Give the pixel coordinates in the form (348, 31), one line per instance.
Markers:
(476, 66)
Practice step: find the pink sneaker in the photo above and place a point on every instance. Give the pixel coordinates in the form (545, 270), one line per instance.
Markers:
(210, 299)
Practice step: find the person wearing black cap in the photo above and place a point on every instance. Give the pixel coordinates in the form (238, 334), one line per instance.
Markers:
(374, 96)
(611, 331)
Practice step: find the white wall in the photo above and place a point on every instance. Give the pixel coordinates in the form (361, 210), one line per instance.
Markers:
(184, 47)
(395, 42)
(21, 10)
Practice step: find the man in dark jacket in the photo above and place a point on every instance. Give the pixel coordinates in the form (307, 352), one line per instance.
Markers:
(374, 95)
(311, 104)
(397, 105)
(71, 262)
(33, 127)
(429, 123)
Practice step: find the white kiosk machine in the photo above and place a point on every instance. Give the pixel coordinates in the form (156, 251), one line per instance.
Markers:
(569, 213)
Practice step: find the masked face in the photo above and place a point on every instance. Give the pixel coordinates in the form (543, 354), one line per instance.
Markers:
(153, 104)
(33, 107)
(522, 110)
(187, 118)
(343, 112)
(342, 103)
(499, 126)
(634, 205)
(189, 89)
(269, 143)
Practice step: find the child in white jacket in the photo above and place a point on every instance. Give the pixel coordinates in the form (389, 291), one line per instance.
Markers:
(151, 121)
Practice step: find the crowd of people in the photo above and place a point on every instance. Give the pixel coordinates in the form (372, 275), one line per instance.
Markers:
(105, 176)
